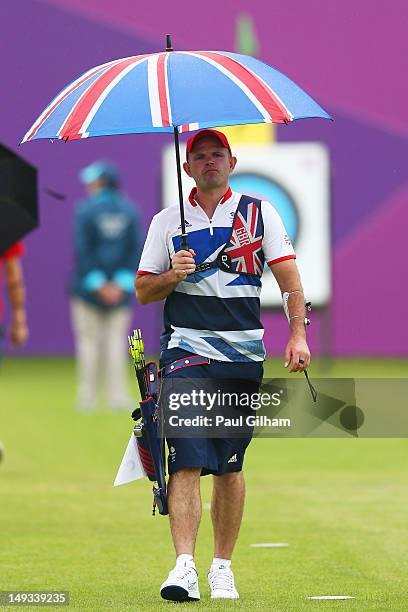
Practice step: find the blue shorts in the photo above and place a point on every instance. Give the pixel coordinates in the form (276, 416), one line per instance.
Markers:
(214, 455)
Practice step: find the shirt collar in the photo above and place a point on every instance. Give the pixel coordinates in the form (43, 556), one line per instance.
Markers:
(193, 201)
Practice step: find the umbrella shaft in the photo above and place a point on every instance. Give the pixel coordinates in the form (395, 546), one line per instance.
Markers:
(184, 241)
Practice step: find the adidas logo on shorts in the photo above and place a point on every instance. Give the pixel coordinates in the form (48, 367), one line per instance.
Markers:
(233, 459)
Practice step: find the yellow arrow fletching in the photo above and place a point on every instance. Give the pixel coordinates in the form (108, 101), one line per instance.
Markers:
(136, 348)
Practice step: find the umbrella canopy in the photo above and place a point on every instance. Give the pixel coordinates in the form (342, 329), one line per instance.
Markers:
(187, 90)
(173, 91)
(18, 198)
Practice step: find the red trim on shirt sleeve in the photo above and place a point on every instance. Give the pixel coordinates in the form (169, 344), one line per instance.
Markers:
(275, 261)
(16, 250)
(142, 272)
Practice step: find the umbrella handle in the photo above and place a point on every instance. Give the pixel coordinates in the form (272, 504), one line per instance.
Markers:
(184, 240)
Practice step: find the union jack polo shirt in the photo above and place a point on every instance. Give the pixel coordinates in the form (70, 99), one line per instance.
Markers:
(213, 313)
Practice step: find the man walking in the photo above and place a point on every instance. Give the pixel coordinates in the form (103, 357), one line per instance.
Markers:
(212, 330)
(12, 271)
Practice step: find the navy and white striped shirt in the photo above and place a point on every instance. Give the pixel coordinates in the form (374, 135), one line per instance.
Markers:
(215, 314)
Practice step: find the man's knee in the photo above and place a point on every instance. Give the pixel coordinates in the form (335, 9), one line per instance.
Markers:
(228, 479)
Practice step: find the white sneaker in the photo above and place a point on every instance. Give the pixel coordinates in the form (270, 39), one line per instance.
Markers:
(222, 584)
(182, 584)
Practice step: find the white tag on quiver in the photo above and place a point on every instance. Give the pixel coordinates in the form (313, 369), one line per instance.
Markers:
(131, 467)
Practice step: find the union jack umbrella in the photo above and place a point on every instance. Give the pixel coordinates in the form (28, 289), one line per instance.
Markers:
(173, 91)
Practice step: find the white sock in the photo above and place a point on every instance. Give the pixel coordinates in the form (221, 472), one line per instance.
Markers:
(219, 563)
(185, 559)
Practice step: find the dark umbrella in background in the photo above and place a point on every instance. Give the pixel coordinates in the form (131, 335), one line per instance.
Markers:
(18, 198)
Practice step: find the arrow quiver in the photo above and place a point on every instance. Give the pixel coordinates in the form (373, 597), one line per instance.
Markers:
(147, 429)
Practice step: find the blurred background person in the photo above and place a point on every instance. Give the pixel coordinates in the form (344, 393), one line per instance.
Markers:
(11, 270)
(106, 251)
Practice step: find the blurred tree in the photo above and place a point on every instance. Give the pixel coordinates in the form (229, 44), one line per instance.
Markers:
(246, 39)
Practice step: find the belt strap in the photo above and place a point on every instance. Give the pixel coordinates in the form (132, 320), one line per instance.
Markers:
(190, 360)
(208, 265)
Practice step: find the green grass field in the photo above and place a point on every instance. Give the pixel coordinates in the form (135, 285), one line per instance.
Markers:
(340, 504)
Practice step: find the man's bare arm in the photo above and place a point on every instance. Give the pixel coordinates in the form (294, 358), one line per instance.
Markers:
(288, 279)
(155, 287)
(17, 297)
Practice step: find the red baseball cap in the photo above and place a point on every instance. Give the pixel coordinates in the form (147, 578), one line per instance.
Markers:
(221, 137)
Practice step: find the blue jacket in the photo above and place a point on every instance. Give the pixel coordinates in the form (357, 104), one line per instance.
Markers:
(107, 244)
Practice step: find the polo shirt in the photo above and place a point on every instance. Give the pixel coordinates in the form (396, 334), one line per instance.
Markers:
(212, 313)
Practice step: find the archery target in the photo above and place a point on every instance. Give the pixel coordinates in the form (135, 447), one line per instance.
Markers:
(295, 177)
